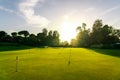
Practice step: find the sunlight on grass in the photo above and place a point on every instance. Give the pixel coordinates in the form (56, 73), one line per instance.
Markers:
(52, 64)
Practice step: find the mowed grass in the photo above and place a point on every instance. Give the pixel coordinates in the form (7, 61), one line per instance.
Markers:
(53, 64)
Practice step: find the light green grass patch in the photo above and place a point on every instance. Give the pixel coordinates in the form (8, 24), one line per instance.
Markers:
(52, 64)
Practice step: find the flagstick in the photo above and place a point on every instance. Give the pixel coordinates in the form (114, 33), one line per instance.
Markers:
(16, 63)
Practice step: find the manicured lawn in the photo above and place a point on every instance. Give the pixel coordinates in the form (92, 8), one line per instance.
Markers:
(53, 64)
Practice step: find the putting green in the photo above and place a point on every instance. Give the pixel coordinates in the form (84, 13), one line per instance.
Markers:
(60, 64)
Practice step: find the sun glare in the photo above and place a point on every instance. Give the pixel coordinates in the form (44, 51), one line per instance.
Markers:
(68, 30)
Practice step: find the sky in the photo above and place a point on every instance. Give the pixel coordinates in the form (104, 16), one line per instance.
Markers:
(61, 15)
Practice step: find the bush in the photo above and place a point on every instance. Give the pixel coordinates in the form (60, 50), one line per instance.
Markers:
(107, 46)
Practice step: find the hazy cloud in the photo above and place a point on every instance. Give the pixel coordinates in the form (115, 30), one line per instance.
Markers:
(90, 9)
(8, 10)
(110, 10)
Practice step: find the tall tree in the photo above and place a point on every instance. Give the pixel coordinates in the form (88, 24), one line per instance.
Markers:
(105, 32)
(44, 31)
(50, 33)
(50, 38)
(97, 25)
(96, 36)
(55, 38)
(83, 36)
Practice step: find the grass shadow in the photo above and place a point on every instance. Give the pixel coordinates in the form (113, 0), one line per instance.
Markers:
(111, 52)
(13, 48)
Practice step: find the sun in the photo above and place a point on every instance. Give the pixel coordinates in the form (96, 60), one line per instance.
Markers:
(68, 30)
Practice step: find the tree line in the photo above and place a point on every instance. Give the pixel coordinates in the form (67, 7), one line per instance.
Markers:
(45, 38)
(99, 35)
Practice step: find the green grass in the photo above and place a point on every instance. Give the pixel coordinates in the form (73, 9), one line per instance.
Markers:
(52, 64)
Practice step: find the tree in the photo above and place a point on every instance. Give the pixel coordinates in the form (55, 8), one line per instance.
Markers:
(104, 35)
(96, 36)
(32, 40)
(64, 44)
(73, 42)
(32, 36)
(55, 38)
(79, 29)
(40, 37)
(8, 38)
(97, 25)
(14, 34)
(44, 31)
(84, 26)
(3, 34)
(44, 37)
(23, 40)
(50, 33)
(105, 32)
(50, 38)
(116, 32)
(82, 38)
(24, 33)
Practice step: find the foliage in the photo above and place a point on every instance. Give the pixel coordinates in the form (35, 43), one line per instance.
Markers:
(83, 36)
(3, 34)
(100, 35)
(24, 33)
(24, 37)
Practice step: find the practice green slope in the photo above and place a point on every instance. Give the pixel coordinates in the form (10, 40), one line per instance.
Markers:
(52, 64)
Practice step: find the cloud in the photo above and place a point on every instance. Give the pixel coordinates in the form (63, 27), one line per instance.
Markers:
(68, 15)
(90, 9)
(110, 10)
(9, 10)
(27, 9)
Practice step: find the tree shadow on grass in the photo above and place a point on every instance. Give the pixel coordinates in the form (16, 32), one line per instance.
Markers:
(13, 48)
(111, 52)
